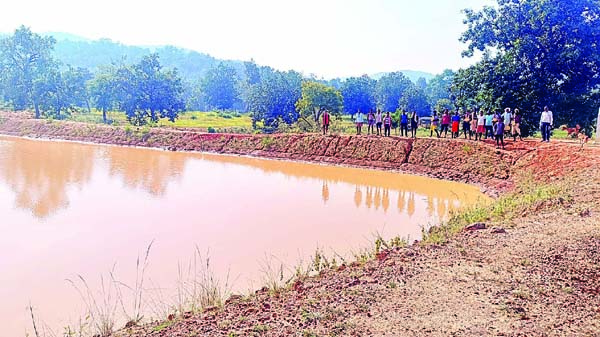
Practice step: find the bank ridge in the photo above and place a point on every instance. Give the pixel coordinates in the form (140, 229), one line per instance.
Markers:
(451, 159)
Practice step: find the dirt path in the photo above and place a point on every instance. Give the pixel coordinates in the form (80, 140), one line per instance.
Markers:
(533, 275)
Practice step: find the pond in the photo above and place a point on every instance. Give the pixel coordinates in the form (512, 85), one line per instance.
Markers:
(73, 210)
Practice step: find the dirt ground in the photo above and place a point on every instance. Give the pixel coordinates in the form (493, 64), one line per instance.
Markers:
(536, 275)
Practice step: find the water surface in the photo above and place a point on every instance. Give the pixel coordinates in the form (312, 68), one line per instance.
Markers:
(72, 209)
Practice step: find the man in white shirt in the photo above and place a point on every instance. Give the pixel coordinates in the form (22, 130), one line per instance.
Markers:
(507, 116)
(546, 122)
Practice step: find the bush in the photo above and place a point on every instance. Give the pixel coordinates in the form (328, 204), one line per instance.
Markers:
(211, 130)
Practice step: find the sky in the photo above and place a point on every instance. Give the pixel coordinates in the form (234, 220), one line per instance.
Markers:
(328, 38)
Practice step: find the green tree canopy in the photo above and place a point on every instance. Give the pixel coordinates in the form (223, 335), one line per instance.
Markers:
(220, 87)
(25, 58)
(317, 97)
(536, 53)
(272, 96)
(389, 90)
(147, 92)
(359, 94)
(439, 86)
(415, 99)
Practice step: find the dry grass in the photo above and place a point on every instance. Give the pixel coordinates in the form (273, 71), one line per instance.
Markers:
(530, 197)
(198, 286)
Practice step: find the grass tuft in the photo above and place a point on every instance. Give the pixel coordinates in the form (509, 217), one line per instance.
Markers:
(530, 197)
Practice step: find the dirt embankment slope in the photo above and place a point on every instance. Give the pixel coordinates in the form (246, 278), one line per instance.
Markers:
(456, 160)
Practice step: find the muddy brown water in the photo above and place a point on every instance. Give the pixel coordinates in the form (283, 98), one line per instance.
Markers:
(70, 210)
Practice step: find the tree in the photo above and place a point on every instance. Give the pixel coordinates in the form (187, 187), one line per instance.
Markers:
(443, 104)
(273, 97)
(539, 53)
(147, 92)
(220, 87)
(61, 91)
(317, 97)
(25, 57)
(439, 86)
(389, 90)
(421, 83)
(414, 99)
(103, 90)
(76, 81)
(359, 94)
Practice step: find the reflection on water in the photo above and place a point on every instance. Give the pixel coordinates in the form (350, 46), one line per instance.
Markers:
(39, 179)
(71, 209)
(140, 169)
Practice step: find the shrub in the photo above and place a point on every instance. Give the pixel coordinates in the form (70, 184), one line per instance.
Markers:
(211, 130)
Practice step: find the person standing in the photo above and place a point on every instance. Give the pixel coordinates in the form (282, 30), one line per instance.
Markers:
(516, 125)
(489, 125)
(480, 126)
(445, 123)
(435, 122)
(455, 124)
(326, 120)
(404, 124)
(499, 133)
(414, 124)
(466, 125)
(370, 123)
(507, 116)
(378, 121)
(359, 119)
(546, 121)
(473, 129)
(387, 124)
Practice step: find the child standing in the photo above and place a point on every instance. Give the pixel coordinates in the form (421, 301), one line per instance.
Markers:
(499, 133)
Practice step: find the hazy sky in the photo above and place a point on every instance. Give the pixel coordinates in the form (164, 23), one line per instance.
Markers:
(329, 38)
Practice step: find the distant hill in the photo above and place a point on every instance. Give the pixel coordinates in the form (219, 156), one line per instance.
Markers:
(79, 51)
(59, 36)
(412, 75)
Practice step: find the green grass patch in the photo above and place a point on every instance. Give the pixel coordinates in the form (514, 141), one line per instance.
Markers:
(504, 209)
(162, 326)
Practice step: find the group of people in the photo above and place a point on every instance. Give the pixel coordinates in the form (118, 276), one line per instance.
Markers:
(478, 125)
(377, 120)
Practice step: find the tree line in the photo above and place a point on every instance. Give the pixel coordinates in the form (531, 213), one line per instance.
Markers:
(146, 91)
(533, 54)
